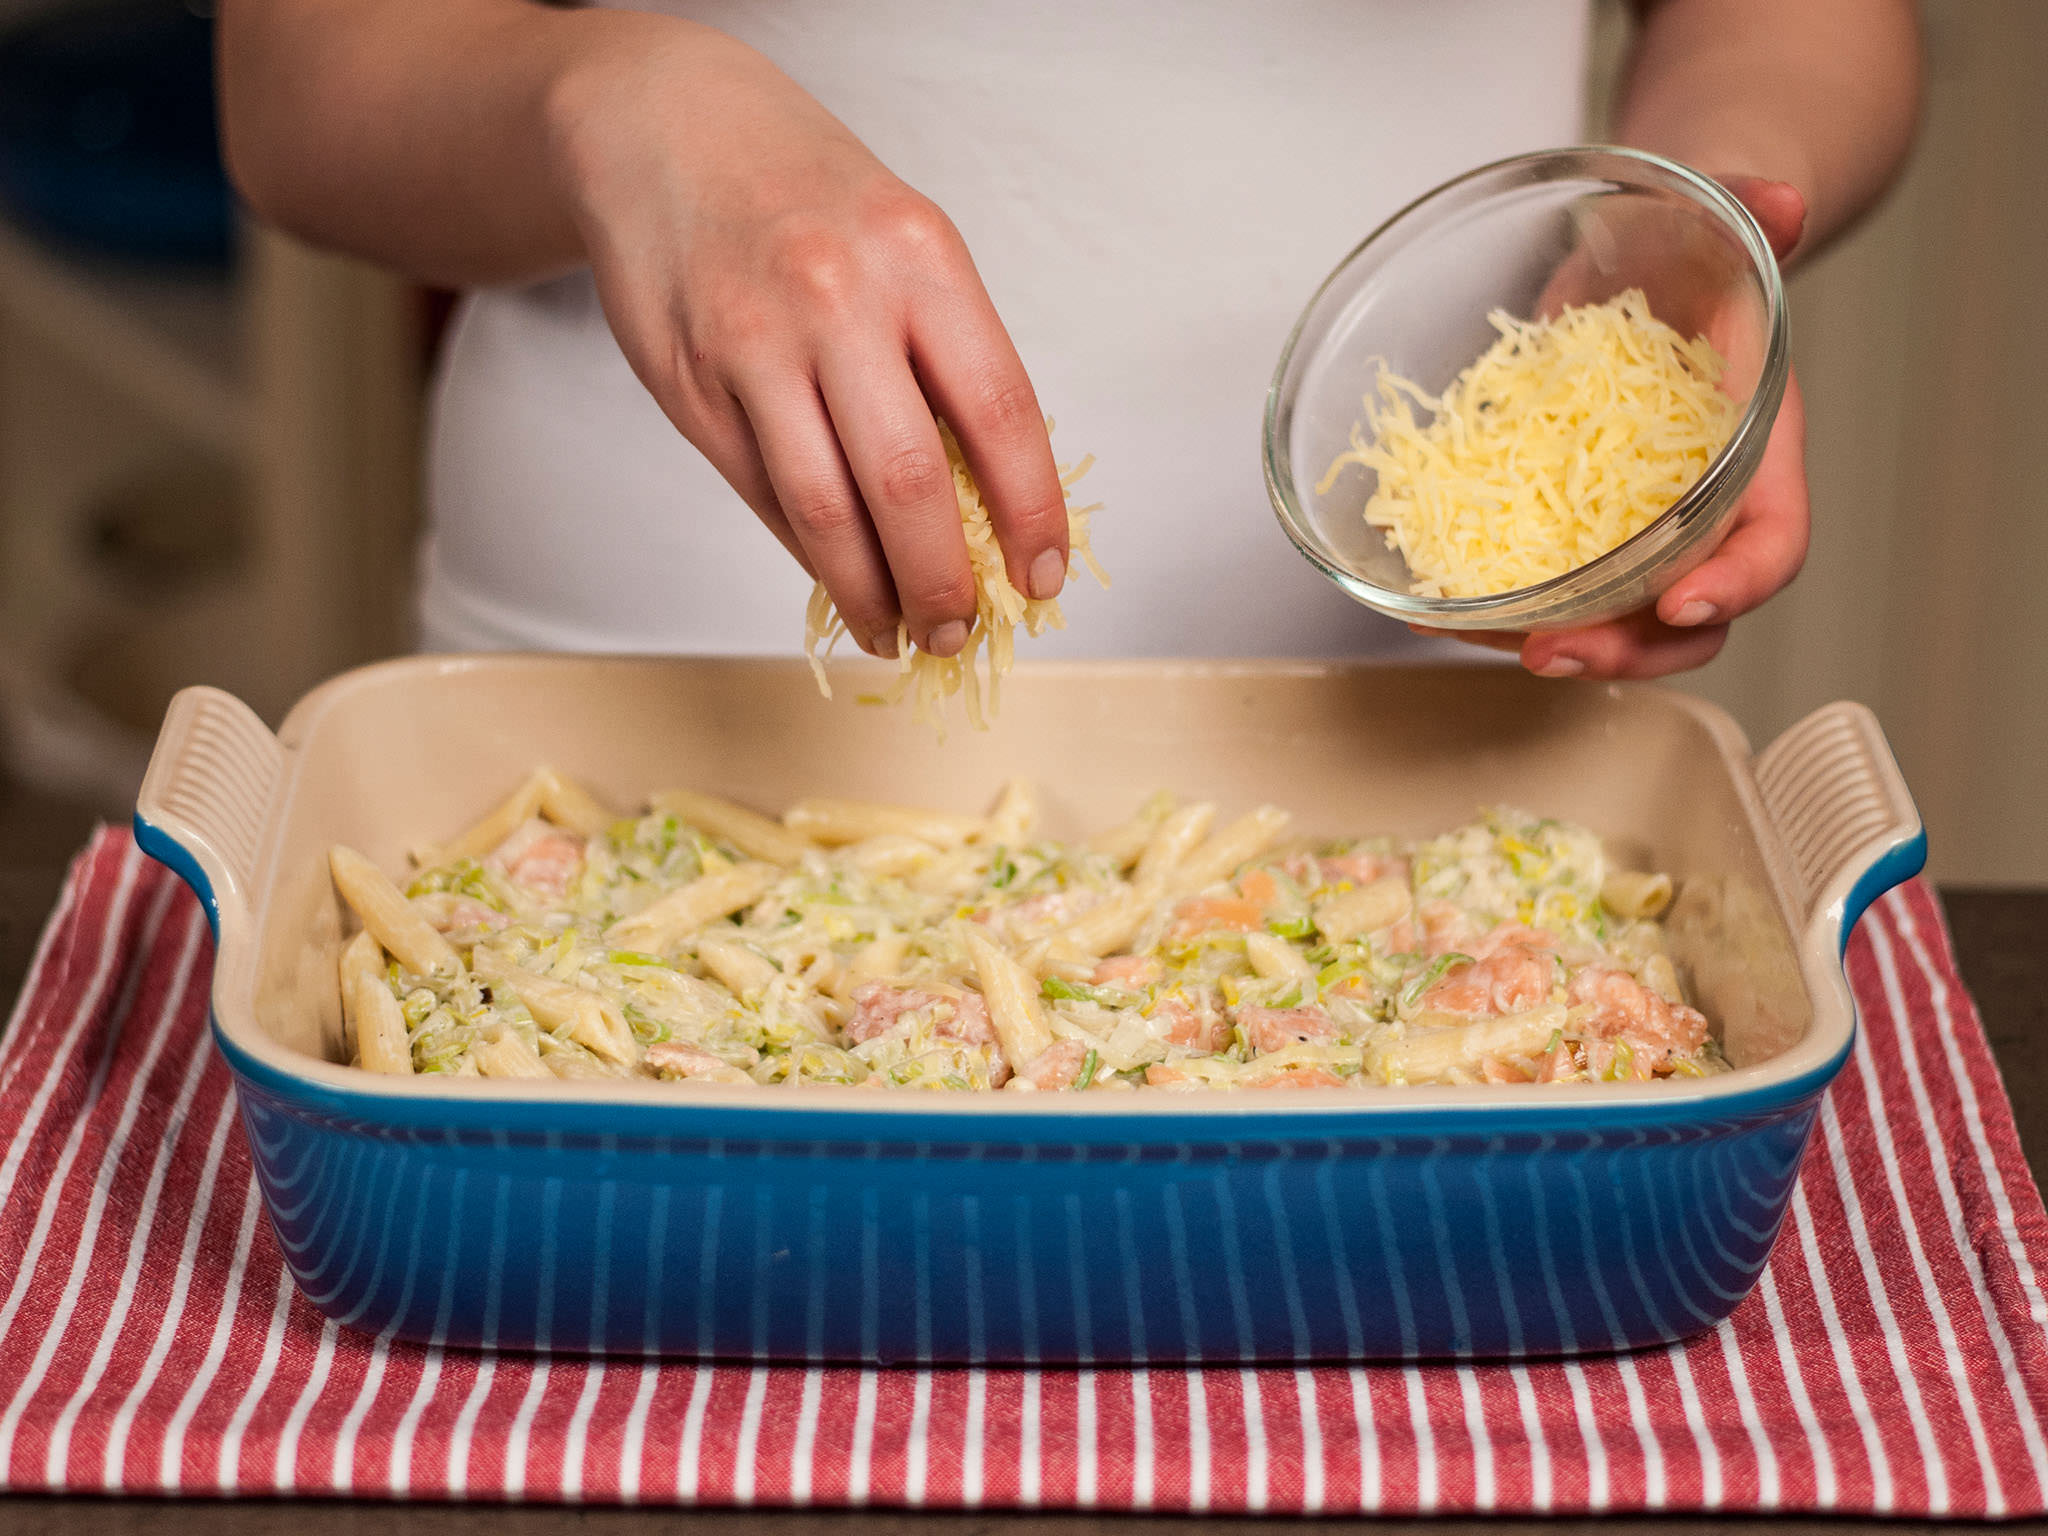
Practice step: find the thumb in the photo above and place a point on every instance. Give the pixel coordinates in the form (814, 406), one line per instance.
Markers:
(1779, 207)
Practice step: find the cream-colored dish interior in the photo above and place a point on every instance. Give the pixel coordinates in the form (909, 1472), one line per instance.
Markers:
(404, 754)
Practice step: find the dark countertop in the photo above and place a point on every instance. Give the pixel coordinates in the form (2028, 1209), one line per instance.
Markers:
(2000, 943)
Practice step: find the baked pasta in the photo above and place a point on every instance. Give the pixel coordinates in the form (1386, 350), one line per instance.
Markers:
(886, 947)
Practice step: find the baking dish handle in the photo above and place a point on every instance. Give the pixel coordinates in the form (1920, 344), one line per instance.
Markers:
(1842, 808)
(206, 798)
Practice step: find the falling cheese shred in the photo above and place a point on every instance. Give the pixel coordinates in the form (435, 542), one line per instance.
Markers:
(1567, 437)
(929, 681)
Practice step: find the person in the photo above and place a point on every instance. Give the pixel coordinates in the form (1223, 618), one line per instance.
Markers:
(731, 258)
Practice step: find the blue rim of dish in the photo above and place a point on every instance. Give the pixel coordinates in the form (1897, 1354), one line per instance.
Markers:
(369, 1112)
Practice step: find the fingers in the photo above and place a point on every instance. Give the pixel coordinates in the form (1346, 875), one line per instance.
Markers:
(728, 441)
(1768, 541)
(892, 445)
(971, 373)
(822, 506)
(1635, 646)
(714, 421)
(1779, 208)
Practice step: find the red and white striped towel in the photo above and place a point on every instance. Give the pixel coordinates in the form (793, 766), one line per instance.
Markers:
(1894, 1358)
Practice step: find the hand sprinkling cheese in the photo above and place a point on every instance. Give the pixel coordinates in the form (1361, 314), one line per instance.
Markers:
(998, 608)
(1567, 437)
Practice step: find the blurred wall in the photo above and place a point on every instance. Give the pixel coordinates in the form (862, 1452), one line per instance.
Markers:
(208, 470)
(1920, 341)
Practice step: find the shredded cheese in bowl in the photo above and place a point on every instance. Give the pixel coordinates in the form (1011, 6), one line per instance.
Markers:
(1566, 438)
(929, 680)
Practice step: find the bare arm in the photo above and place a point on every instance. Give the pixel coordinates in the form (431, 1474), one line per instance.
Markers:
(799, 312)
(414, 135)
(1820, 94)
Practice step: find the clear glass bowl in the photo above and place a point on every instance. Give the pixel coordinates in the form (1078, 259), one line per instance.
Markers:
(1415, 295)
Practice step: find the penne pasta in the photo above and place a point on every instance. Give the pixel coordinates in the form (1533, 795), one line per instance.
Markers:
(741, 970)
(890, 947)
(1100, 929)
(569, 805)
(1630, 893)
(752, 833)
(1275, 959)
(891, 855)
(1011, 994)
(1122, 844)
(1368, 909)
(880, 957)
(1015, 817)
(383, 909)
(591, 1019)
(1434, 1054)
(375, 1023)
(574, 1065)
(837, 822)
(1112, 925)
(1176, 836)
(500, 823)
(1661, 977)
(503, 1052)
(682, 912)
(1230, 849)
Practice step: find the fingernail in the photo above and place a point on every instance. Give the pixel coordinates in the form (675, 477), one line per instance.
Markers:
(947, 639)
(883, 644)
(1048, 574)
(1698, 611)
(1561, 666)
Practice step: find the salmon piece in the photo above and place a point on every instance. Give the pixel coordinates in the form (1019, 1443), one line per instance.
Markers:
(1622, 1008)
(1194, 1029)
(1159, 1075)
(1304, 869)
(1273, 1029)
(1057, 1066)
(1259, 888)
(1208, 914)
(1601, 1056)
(877, 1006)
(450, 913)
(1508, 982)
(1299, 1077)
(1512, 936)
(1133, 971)
(466, 912)
(1558, 1066)
(1446, 928)
(970, 1022)
(1494, 1070)
(541, 858)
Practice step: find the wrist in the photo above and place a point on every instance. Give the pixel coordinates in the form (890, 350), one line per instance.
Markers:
(614, 80)
(1731, 153)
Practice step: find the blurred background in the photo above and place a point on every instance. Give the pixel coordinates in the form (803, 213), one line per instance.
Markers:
(209, 434)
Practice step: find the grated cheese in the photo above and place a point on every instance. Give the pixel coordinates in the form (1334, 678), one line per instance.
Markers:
(929, 681)
(1567, 437)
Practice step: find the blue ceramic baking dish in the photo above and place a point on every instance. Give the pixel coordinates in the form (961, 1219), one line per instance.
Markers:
(823, 1224)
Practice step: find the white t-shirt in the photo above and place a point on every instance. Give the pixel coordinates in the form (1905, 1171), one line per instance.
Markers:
(1151, 192)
